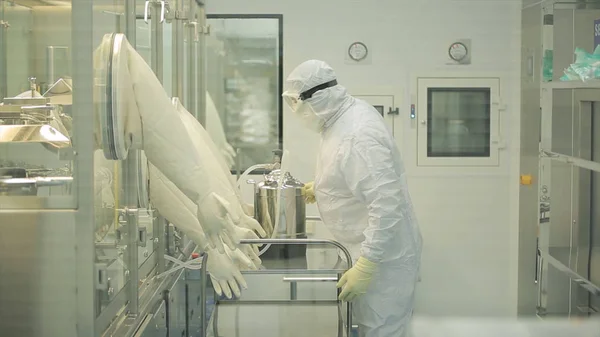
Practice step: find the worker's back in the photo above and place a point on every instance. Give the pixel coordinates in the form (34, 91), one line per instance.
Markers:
(360, 131)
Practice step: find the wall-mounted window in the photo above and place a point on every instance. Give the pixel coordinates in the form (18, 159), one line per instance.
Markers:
(244, 80)
(458, 121)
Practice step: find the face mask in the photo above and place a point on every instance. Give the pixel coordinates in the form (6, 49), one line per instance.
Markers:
(309, 117)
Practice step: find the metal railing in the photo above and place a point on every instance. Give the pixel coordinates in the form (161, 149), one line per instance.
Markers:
(292, 280)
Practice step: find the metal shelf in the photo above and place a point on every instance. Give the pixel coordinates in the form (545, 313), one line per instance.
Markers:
(565, 85)
(560, 257)
(582, 163)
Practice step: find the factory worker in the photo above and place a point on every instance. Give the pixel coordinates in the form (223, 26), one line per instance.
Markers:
(362, 196)
(151, 124)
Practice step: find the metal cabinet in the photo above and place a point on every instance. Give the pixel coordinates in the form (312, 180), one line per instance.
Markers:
(568, 283)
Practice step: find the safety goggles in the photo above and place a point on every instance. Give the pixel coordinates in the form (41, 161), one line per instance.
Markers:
(293, 99)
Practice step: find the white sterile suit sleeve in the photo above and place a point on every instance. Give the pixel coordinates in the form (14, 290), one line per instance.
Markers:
(204, 145)
(214, 127)
(167, 146)
(370, 175)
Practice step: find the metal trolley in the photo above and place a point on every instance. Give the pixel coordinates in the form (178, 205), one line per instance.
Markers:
(346, 316)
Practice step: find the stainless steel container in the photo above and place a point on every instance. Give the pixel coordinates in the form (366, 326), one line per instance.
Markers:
(292, 210)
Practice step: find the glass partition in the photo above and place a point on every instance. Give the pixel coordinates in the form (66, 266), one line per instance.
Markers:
(459, 122)
(110, 186)
(244, 81)
(36, 156)
(144, 48)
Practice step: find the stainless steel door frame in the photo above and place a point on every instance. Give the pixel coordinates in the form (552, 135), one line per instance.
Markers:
(83, 130)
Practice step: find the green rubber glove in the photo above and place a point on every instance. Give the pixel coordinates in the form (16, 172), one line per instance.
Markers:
(309, 192)
(356, 280)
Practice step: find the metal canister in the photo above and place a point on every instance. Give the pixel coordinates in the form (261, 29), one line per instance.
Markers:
(292, 209)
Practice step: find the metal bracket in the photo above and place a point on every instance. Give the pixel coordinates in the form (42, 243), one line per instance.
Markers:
(163, 9)
(204, 30)
(170, 240)
(142, 236)
(176, 15)
(101, 276)
(193, 25)
(125, 217)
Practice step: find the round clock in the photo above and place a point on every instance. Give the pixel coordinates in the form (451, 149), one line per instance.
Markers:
(358, 51)
(458, 51)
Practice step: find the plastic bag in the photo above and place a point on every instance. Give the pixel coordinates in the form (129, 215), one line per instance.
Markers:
(586, 66)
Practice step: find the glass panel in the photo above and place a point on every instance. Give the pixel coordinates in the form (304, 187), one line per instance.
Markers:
(143, 39)
(35, 146)
(109, 186)
(144, 48)
(458, 122)
(243, 80)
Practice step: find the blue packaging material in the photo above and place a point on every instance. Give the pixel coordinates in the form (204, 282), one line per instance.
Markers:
(586, 66)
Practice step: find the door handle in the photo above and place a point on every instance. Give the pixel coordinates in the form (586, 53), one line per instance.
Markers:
(394, 111)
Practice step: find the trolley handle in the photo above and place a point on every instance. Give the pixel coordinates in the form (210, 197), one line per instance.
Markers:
(293, 283)
(308, 242)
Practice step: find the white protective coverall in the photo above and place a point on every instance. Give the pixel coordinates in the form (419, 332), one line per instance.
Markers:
(152, 124)
(362, 196)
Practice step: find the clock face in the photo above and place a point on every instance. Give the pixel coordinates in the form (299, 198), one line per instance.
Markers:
(458, 51)
(358, 51)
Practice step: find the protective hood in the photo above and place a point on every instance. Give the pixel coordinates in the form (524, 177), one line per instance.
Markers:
(328, 104)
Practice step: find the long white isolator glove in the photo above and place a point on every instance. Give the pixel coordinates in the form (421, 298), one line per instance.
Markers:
(224, 268)
(204, 144)
(224, 273)
(172, 204)
(179, 210)
(150, 123)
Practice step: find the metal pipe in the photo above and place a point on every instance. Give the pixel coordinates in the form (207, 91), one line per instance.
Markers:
(310, 279)
(3, 58)
(300, 242)
(132, 261)
(203, 284)
(238, 163)
(191, 60)
(215, 317)
(290, 271)
(156, 38)
(178, 53)
(201, 92)
(159, 243)
(293, 291)
(130, 22)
